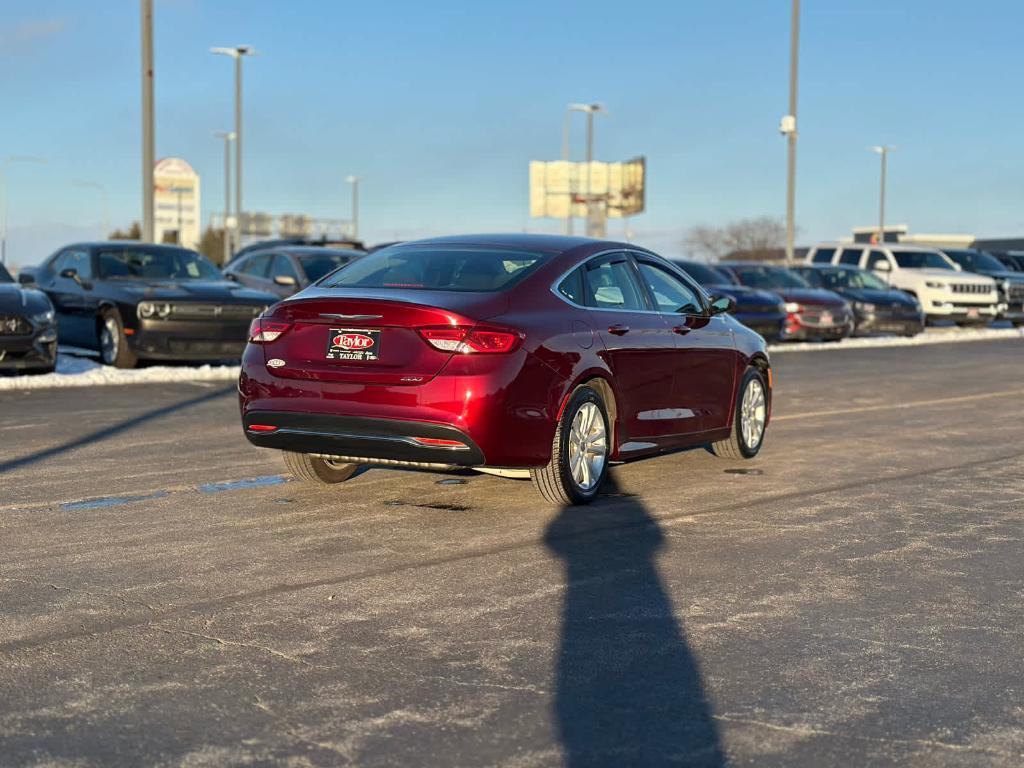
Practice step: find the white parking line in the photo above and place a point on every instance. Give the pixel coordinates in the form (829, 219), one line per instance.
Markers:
(901, 406)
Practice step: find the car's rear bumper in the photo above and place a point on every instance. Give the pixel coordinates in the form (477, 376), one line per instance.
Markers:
(363, 440)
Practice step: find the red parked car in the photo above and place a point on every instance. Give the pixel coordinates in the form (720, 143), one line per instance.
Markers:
(519, 355)
(811, 313)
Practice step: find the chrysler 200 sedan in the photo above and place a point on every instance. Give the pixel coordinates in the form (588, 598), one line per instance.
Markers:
(520, 355)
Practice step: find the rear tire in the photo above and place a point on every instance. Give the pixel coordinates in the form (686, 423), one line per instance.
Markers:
(751, 409)
(579, 452)
(313, 469)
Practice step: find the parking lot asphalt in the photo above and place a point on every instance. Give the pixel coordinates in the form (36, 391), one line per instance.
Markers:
(851, 597)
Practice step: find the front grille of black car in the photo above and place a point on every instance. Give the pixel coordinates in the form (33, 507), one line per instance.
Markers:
(812, 315)
(14, 325)
(969, 288)
(197, 311)
(1016, 292)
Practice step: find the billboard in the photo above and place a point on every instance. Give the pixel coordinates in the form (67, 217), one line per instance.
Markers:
(559, 188)
(176, 203)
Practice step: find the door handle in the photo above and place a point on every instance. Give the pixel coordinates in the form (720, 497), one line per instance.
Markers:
(682, 330)
(618, 330)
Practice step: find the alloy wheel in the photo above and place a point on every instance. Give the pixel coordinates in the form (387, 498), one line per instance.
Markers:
(588, 446)
(110, 337)
(752, 414)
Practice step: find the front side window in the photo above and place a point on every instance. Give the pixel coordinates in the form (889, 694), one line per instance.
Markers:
(823, 256)
(610, 285)
(875, 258)
(256, 266)
(670, 293)
(142, 263)
(283, 268)
(75, 259)
(439, 268)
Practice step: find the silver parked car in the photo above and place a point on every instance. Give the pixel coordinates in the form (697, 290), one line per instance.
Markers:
(287, 269)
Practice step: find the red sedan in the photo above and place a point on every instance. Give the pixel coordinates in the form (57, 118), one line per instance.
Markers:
(520, 355)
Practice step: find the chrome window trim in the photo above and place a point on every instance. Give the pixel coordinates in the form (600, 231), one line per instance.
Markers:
(626, 252)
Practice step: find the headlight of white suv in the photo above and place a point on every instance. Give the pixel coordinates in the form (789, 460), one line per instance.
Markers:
(935, 285)
(43, 318)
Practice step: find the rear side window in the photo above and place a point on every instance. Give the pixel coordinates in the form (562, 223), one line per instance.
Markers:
(851, 257)
(572, 287)
(823, 255)
(611, 285)
(439, 268)
(283, 267)
(875, 258)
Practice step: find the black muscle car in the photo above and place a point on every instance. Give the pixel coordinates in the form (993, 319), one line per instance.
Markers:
(28, 333)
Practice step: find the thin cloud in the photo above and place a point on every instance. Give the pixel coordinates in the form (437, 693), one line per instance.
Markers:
(31, 32)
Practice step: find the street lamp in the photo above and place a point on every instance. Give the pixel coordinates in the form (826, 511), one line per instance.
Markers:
(354, 181)
(883, 151)
(105, 221)
(237, 53)
(228, 137)
(788, 129)
(3, 190)
(595, 227)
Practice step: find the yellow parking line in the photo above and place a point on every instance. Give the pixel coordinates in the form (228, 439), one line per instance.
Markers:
(900, 406)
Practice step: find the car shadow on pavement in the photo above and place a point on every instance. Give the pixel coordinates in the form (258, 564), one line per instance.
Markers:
(112, 430)
(629, 689)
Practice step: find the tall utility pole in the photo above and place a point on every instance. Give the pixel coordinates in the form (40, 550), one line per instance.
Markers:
(354, 181)
(595, 216)
(788, 129)
(228, 137)
(883, 151)
(4, 192)
(237, 53)
(148, 140)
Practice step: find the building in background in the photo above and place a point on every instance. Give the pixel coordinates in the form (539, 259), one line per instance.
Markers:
(176, 202)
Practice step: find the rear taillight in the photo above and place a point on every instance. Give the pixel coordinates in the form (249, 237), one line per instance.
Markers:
(261, 331)
(466, 340)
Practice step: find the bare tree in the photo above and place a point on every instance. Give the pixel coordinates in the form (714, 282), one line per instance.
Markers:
(758, 239)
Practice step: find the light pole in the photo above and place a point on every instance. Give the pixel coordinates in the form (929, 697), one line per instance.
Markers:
(148, 138)
(354, 181)
(4, 190)
(105, 220)
(595, 223)
(788, 129)
(883, 151)
(237, 53)
(228, 137)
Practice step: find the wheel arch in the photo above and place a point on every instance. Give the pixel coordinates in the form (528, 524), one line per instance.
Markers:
(603, 386)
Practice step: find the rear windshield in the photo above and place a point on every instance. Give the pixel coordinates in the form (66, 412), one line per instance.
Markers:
(438, 268)
(769, 277)
(5, 276)
(921, 260)
(703, 273)
(141, 263)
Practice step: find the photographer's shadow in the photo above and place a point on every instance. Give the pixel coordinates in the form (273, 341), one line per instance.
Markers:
(629, 690)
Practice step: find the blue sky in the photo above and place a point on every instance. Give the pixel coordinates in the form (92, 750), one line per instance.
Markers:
(439, 106)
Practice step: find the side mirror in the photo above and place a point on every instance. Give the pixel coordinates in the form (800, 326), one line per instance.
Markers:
(70, 274)
(26, 278)
(882, 266)
(286, 280)
(722, 304)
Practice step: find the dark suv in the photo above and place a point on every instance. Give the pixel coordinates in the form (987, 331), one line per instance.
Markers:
(1009, 283)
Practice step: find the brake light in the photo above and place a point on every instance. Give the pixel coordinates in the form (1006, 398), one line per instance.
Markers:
(261, 331)
(466, 340)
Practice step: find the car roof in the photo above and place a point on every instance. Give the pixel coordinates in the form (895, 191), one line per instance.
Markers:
(738, 264)
(115, 245)
(889, 246)
(535, 242)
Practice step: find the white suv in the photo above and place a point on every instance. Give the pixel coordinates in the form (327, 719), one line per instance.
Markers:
(942, 288)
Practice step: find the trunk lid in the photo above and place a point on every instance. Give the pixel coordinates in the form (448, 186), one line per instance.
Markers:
(370, 336)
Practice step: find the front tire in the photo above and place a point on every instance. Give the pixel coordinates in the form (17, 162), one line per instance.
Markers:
(579, 452)
(313, 469)
(749, 419)
(114, 349)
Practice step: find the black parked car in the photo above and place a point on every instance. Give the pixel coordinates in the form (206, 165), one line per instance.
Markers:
(28, 331)
(133, 301)
(1012, 260)
(877, 308)
(761, 311)
(1009, 282)
(287, 269)
(316, 242)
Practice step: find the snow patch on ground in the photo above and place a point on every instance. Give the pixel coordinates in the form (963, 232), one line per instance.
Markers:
(931, 336)
(74, 371)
